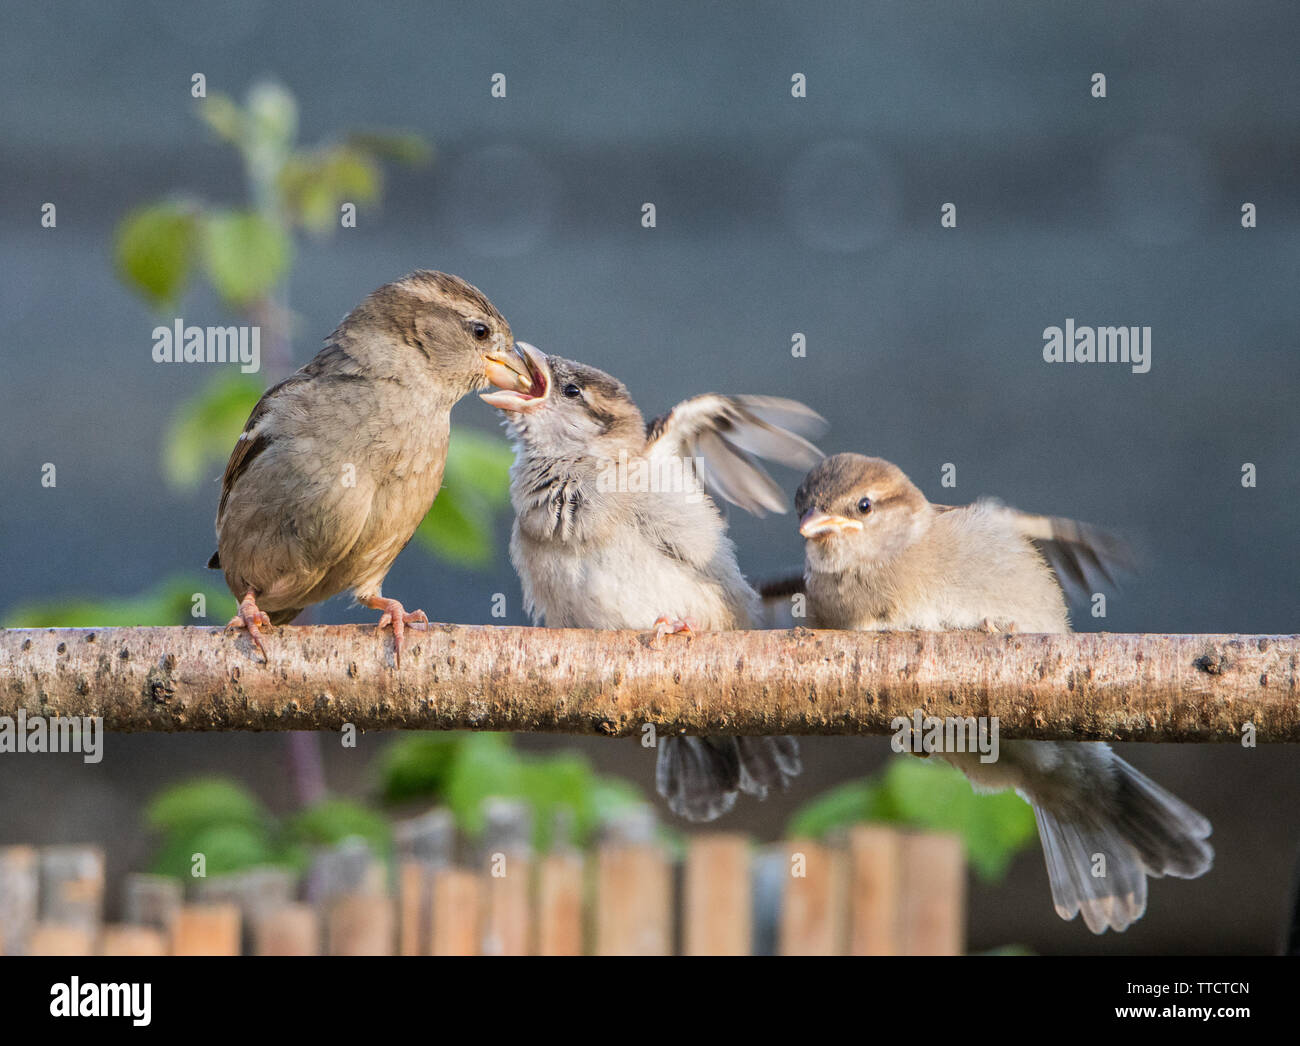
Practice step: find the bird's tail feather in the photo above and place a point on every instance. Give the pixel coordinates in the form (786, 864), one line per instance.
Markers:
(1098, 862)
(701, 777)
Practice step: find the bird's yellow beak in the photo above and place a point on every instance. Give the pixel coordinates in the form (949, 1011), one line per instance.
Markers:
(522, 375)
(818, 524)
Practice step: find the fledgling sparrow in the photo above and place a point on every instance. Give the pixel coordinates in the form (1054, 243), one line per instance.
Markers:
(614, 530)
(338, 464)
(878, 555)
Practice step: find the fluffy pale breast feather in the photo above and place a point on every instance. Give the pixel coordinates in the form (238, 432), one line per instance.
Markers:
(589, 558)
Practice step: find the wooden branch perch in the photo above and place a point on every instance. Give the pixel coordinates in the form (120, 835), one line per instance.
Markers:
(1087, 686)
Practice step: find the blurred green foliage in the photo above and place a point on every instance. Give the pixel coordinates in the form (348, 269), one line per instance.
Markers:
(214, 817)
(461, 770)
(244, 255)
(330, 821)
(475, 487)
(222, 820)
(169, 602)
(204, 429)
(925, 794)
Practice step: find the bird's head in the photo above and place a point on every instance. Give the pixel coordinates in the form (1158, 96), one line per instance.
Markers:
(857, 511)
(440, 323)
(559, 408)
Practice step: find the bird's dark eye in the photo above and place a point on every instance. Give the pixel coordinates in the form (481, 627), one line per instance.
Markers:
(864, 506)
(479, 330)
(571, 391)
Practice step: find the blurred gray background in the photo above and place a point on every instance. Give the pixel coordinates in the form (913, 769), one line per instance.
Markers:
(775, 215)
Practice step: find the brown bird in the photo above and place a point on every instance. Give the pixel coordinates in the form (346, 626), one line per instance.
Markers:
(338, 464)
(614, 529)
(878, 555)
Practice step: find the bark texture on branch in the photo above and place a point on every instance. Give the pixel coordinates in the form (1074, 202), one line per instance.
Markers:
(1087, 686)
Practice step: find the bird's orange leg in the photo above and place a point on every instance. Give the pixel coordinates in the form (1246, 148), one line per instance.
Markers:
(666, 626)
(250, 617)
(395, 614)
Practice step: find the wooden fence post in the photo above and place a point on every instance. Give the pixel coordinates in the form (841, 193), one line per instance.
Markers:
(717, 896)
(875, 890)
(424, 844)
(507, 870)
(291, 929)
(813, 909)
(633, 888)
(19, 894)
(457, 907)
(206, 929)
(561, 893)
(934, 894)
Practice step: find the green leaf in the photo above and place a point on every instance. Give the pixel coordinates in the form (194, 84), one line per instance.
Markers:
(404, 147)
(457, 528)
(245, 255)
(559, 782)
(476, 482)
(226, 848)
(928, 795)
(332, 820)
(154, 249)
(994, 827)
(850, 803)
(202, 802)
(168, 603)
(204, 429)
(485, 765)
(315, 183)
(418, 766)
(224, 116)
(480, 463)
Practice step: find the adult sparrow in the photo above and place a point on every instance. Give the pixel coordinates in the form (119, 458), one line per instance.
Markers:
(338, 464)
(613, 529)
(878, 555)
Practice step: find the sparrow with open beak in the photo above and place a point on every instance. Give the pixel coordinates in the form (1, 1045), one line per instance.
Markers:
(878, 555)
(338, 464)
(614, 529)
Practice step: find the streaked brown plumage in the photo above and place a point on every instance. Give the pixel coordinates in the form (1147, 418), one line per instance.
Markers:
(880, 556)
(338, 463)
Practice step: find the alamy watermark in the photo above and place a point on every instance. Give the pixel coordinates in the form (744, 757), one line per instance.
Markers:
(40, 734)
(930, 734)
(655, 475)
(1073, 344)
(181, 344)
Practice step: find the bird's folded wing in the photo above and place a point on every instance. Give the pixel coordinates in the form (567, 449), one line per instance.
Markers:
(1082, 555)
(726, 435)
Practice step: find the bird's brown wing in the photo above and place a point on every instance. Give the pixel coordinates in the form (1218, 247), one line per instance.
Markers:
(307, 549)
(333, 362)
(726, 435)
(252, 442)
(1082, 555)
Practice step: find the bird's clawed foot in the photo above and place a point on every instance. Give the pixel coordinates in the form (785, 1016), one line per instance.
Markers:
(396, 615)
(666, 626)
(992, 627)
(250, 618)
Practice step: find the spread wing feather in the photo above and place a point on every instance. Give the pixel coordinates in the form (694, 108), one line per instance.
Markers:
(727, 435)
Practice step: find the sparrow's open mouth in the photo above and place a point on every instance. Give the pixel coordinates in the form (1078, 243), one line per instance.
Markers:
(523, 378)
(817, 524)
